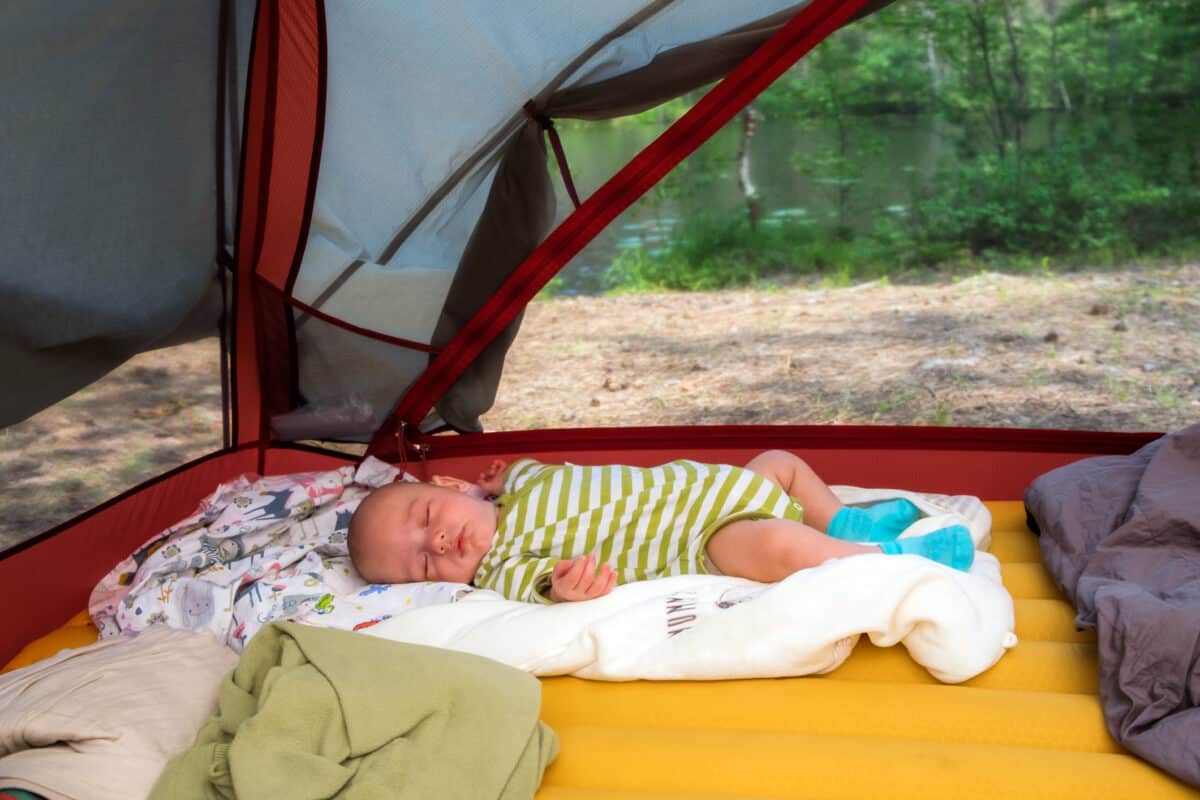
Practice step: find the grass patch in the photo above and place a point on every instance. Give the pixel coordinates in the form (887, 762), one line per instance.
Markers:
(137, 466)
(75, 493)
(1119, 390)
(941, 413)
(709, 252)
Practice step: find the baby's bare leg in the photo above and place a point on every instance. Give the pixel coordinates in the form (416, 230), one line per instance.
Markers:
(796, 478)
(769, 550)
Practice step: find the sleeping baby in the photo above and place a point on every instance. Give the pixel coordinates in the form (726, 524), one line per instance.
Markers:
(552, 533)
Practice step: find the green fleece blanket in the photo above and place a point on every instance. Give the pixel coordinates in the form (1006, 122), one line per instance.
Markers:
(315, 713)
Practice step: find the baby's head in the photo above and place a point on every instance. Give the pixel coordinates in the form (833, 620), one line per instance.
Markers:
(407, 532)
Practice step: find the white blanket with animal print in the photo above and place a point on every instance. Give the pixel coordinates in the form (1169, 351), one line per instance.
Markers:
(258, 550)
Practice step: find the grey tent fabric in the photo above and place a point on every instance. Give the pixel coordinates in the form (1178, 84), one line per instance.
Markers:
(108, 201)
(669, 75)
(519, 213)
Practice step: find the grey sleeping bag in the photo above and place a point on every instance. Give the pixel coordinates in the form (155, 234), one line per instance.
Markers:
(1121, 535)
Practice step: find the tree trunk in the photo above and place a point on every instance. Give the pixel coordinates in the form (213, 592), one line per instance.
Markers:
(978, 21)
(935, 72)
(1111, 56)
(750, 119)
(1085, 94)
(1055, 82)
(931, 56)
(843, 182)
(842, 161)
(1064, 96)
(1019, 104)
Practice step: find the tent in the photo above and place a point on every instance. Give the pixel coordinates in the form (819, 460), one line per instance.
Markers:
(370, 181)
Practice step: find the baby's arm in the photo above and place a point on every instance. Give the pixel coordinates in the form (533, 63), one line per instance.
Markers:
(491, 480)
(550, 580)
(578, 579)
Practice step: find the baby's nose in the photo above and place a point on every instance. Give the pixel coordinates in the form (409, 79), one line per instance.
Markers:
(440, 542)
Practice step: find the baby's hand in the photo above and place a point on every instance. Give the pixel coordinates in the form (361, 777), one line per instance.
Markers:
(491, 480)
(578, 579)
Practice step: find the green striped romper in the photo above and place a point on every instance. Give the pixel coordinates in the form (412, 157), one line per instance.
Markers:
(645, 522)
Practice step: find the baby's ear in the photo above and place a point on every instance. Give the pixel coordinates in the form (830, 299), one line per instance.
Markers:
(451, 483)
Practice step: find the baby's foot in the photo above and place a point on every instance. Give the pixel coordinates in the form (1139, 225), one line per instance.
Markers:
(951, 546)
(881, 522)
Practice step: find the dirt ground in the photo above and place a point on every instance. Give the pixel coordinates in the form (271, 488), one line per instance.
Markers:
(1100, 350)
(1092, 349)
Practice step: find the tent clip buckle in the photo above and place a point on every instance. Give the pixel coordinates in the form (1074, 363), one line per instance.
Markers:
(403, 445)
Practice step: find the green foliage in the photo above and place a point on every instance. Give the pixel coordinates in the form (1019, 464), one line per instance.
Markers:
(870, 67)
(710, 251)
(928, 55)
(1108, 180)
(706, 252)
(1076, 196)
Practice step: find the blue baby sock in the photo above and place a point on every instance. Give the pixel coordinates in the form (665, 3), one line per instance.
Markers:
(880, 522)
(951, 546)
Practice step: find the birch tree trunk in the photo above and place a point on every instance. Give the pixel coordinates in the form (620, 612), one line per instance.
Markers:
(750, 119)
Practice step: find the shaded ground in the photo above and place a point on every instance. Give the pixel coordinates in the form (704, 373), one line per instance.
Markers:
(155, 412)
(1102, 350)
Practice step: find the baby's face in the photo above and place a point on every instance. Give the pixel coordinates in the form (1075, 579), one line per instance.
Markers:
(419, 532)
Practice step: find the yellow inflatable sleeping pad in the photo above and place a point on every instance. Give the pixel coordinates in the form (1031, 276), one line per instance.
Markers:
(878, 727)
(78, 631)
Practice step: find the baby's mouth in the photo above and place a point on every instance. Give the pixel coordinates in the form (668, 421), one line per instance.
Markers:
(461, 544)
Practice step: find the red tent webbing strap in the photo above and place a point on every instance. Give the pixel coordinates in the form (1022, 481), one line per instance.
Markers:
(338, 322)
(761, 68)
(560, 155)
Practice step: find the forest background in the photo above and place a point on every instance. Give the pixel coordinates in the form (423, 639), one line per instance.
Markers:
(1063, 129)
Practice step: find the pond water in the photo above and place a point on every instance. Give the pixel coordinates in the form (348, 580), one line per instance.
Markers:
(801, 171)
